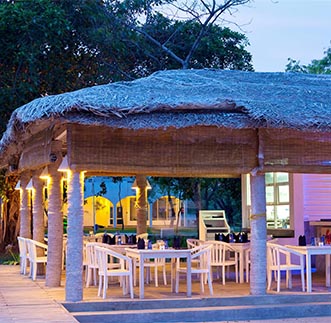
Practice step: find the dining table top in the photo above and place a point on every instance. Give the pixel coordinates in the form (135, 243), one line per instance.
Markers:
(317, 250)
(162, 253)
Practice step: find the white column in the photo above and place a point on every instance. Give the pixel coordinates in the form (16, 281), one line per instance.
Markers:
(55, 227)
(258, 236)
(74, 264)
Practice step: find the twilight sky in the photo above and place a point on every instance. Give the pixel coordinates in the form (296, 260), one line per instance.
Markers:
(279, 29)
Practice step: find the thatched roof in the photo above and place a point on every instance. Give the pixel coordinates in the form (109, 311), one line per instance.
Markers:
(182, 98)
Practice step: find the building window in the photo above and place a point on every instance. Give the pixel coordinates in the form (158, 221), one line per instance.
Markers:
(277, 200)
(163, 210)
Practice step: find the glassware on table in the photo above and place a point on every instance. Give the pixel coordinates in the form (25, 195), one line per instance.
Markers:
(149, 244)
(166, 246)
(160, 244)
(312, 241)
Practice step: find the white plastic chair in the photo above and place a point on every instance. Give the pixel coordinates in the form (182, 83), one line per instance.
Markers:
(24, 255)
(192, 243)
(202, 254)
(90, 261)
(220, 258)
(279, 258)
(34, 259)
(125, 270)
(247, 263)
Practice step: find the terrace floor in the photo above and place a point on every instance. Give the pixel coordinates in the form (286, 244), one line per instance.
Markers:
(22, 300)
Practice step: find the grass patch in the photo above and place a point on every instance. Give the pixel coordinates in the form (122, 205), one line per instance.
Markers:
(9, 256)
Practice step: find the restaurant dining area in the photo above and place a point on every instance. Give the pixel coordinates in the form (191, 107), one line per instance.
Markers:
(130, 266)
(174, 124)
(199, 274)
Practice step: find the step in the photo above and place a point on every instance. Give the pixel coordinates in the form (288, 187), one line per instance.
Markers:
(202, 310)
(207, 314)
(137, 304)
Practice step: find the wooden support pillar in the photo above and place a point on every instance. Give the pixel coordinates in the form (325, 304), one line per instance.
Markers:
(55, 226)
(258, 272)
(25, 224)
(141, 203)
(74, 265)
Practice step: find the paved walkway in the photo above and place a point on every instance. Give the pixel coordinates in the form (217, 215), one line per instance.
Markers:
(24, 300)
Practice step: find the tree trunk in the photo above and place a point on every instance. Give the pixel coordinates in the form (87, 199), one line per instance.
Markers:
(38, 216)
(258, 236)
(55, 228)
(173, 212)
(10, 208)
(25, 228)
(38, 210)
(141, 203)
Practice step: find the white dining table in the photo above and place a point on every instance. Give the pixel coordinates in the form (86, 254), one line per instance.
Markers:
(310, 251)
(121, 248)
(142, 254)
(241, 248)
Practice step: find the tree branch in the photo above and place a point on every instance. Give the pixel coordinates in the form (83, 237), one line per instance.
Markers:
(157, 43)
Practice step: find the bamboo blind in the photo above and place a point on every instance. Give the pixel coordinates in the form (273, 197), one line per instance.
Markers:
(198, 151)
(296, 151)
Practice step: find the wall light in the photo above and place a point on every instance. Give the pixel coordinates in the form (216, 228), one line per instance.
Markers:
(135, 186)
(18, 186)
(64, 167)
(45, 174)
(30, 185)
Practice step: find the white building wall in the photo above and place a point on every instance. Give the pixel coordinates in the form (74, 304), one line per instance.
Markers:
(297, 209)
(317, 196)
(310, 201)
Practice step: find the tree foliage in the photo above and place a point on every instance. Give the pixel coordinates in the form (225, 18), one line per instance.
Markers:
(206, 193)
(317, 66)
(223, 194)
(10, 209)
(218, 48)
(41, 54)
(194, 19)
(55, 46)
